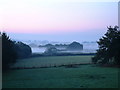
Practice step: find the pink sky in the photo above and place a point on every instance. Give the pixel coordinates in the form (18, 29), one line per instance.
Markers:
(39, 16)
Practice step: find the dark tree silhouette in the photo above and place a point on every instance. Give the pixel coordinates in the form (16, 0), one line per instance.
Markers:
(75, 46)
(12, 50)
(22, 50)
(9, 55)
(109, 47)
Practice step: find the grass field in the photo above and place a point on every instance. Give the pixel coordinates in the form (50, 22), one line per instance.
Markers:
(84, 76)
(52, 61)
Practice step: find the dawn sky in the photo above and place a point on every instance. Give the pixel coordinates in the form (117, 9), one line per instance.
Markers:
(57, 20)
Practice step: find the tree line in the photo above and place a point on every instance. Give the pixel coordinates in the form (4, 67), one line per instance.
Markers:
(12, 50)
(108, 52)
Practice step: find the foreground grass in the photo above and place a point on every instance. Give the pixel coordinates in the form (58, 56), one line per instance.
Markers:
(85, 76)
(52, 61)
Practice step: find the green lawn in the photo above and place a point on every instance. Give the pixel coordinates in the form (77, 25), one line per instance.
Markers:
(84, 76)
(52, 61)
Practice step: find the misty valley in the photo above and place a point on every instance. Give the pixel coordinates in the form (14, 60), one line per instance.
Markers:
(88, 47)
(52, 44)
(68, 65)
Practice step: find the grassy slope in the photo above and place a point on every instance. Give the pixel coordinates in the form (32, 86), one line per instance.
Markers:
(85, 76)
(52, 60)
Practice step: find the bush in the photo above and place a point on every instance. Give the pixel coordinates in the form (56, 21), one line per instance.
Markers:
(22, 50)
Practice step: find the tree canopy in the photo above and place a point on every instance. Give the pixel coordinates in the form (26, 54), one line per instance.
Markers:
(75, 46)
(12, 50)
(109, 47)
(22, 50)
(8, 52)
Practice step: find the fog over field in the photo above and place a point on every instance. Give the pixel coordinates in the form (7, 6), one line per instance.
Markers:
(54, 44)
(88, 47)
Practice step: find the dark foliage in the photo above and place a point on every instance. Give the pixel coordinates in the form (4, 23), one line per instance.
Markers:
(9, 55)
(12, 50)
(51, 51)
(22, 50)
(75, 46)
(109, 48)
